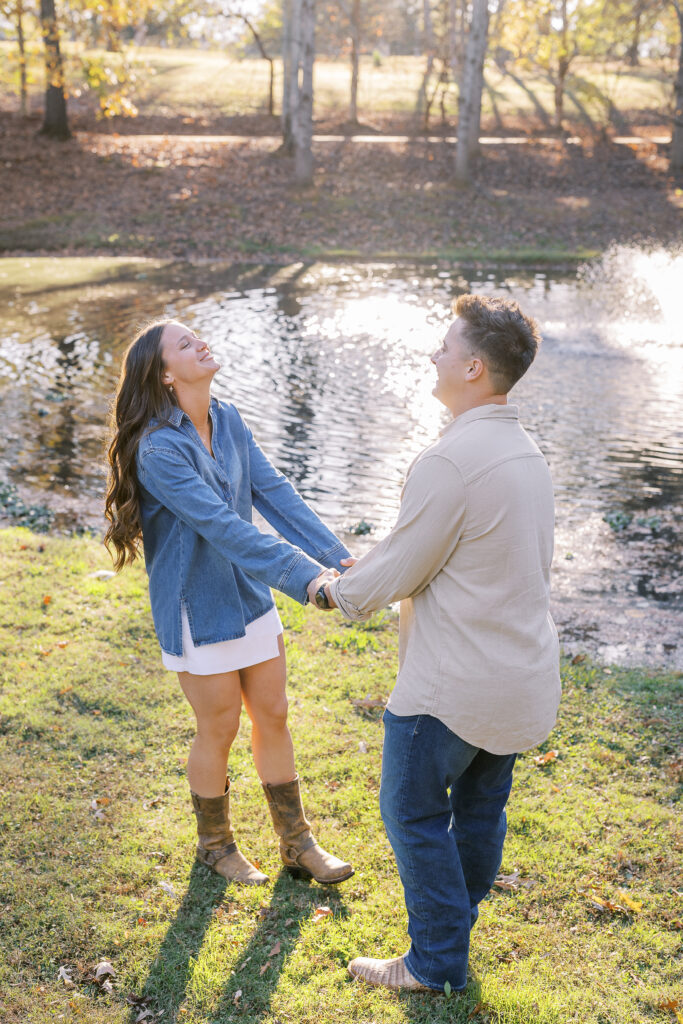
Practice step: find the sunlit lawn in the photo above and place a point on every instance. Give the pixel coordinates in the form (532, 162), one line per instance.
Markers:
(97, 835)
(208, 83)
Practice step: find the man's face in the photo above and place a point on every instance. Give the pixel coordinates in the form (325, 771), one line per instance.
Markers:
(454, 364)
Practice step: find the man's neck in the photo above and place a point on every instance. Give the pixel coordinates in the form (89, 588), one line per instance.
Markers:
(464, 405)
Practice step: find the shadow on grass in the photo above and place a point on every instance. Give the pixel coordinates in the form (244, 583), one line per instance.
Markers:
(274, 939)
(168, 977)
(292, 902)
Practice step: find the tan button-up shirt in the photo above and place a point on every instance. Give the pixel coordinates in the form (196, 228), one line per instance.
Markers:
(469, 559)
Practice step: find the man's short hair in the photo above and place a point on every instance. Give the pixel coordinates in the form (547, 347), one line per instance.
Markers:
(501, 334)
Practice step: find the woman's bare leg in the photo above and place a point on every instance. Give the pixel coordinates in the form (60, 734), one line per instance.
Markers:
(216, 701)
(265, 698)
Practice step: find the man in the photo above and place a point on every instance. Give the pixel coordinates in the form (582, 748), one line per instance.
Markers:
(469, 559)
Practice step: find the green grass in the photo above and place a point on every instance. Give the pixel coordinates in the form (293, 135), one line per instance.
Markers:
(88, 714)
(195, 83)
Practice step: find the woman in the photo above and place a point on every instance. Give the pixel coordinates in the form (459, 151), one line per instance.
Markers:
(185, 472)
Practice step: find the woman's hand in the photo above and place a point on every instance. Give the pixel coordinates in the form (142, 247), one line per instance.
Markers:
(314, 586)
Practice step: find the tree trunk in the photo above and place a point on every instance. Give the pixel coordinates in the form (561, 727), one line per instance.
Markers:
(55, 123)
(290, 72)
(23, 94)
(469, 103)
(562, 69)
(677, 132)
(303, 122)
(421, 107)
(262, 51)
(355, 57)
(632, 52)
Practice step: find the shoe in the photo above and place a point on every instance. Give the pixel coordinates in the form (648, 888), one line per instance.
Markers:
(300, 853)
(391, 974)
(217, 848)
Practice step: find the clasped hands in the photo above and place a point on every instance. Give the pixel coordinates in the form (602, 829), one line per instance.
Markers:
(324, 579)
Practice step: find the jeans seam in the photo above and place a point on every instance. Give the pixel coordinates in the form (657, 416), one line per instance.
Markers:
(408, 851)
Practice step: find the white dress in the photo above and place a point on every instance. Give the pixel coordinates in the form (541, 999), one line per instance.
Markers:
(259, 643)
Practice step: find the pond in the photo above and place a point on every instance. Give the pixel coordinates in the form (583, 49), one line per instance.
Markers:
(330, 365)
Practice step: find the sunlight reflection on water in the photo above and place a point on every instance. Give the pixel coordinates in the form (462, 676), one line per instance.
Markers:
(330, 365)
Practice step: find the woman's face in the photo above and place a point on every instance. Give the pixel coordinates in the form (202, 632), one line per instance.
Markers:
(187, 359)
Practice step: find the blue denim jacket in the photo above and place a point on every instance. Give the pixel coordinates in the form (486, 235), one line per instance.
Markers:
(201, 547)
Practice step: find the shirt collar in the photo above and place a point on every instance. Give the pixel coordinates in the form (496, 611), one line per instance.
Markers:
(176, 414)
(483, 412)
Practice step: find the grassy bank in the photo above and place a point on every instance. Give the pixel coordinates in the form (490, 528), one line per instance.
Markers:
(97, 849)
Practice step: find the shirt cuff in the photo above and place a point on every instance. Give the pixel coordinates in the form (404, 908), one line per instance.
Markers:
(347, 608)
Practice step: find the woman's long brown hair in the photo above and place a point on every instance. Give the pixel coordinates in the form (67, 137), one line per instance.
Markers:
(140, 397)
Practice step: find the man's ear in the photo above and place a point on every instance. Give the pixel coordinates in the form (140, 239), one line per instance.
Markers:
(474, 370)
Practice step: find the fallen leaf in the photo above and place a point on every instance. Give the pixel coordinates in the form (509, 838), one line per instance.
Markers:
(276, 949)
(103, 969)
(237, 996)
(321, 913)
(264, 969)
(362, 747)
(578, 658)
(547, 758)
(64, 643)
(513, 882)
(600, 903)
(64, 976)
(669, 1004)
(65, 689)
(477, 1009)
(630, 903)
(107, 986)
(366, 703)
(47, 599)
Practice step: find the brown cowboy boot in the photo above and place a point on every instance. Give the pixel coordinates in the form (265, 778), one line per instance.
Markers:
(300, 853)
(217, 847)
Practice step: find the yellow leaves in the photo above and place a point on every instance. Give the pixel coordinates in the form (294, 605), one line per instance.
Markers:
(604, 904)
(628, 902)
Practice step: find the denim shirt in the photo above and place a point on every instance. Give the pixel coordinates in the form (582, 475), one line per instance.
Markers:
(201, 547)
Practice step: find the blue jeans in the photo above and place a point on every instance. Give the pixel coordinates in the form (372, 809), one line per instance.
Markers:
(443, 807)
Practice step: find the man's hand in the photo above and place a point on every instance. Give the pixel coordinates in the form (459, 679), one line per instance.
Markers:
(348, 561)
